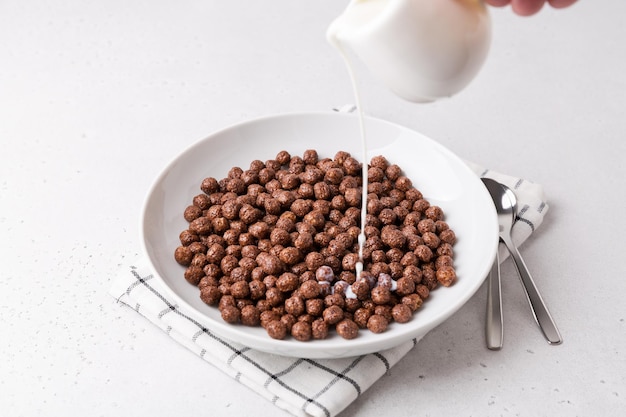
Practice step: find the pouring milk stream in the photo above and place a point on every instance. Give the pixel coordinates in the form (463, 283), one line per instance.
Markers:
(422, 50)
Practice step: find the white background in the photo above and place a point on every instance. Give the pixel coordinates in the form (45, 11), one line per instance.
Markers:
(97, 96)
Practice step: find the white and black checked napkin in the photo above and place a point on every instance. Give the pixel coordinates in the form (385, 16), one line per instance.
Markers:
(303, 387)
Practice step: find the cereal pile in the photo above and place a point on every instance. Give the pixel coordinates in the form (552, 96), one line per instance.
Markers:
(276, 245)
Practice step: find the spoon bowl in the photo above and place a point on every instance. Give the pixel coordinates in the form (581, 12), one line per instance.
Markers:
(505, 206)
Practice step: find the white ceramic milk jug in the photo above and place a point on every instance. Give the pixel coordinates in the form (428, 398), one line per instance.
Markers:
(422, 50)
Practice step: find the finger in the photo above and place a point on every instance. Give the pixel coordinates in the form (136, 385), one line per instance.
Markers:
(559, 4)
(498, 3)
(527, 7)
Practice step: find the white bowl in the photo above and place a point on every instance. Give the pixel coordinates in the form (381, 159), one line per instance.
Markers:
(443, 178)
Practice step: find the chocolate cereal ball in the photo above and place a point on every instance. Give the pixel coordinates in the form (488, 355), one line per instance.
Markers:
(302, 331)
(361, 317)
(295, 305)
(309, 289)
(194, 274)
(289, 320)
(314, 307)
(319, 329)
(446, 275)
(287, 282)
(381, 295)
(209, 185)
(333, 314)
(377, 323)
(447, 236)
(250, 316)
(310, 157)
(183, 255)
(240, 289)
(413, 301)
(276, 329)
(210, 295)
(256, 289)
(405, 286)
(347, 329)
(230, 314)
(401, 313)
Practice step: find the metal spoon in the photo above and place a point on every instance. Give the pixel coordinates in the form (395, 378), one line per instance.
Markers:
(494, 330)
(506, 206)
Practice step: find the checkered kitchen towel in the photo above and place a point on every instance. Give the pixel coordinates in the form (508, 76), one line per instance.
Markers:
(303, 387)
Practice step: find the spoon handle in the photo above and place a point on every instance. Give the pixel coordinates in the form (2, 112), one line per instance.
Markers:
(537, 305)
(494, 328)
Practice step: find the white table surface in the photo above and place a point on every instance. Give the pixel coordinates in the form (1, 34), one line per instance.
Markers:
(97, 96)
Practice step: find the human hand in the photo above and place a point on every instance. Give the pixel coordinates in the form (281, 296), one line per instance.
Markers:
(530, 7)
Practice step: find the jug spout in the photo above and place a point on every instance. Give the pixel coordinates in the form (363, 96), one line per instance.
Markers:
(422, 50)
